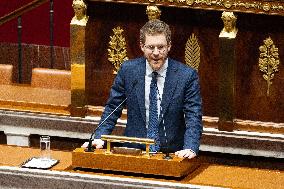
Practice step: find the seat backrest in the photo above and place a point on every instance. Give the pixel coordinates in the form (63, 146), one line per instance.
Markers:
(6, 74)
(51, 78)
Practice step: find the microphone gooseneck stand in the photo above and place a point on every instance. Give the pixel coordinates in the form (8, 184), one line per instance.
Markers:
(90, 145)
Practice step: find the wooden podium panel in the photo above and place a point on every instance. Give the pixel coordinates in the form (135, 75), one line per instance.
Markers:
(155, 164)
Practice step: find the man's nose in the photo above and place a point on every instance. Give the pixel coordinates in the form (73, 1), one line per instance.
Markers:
(156, 50)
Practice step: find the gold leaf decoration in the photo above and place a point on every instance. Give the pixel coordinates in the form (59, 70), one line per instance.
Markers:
(192, 52)
(268, 61)
(252, 5)
(117, 53)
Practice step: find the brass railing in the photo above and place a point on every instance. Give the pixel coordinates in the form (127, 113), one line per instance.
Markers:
(122, 139)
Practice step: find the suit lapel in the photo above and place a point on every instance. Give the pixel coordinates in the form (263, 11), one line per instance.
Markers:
(140, 92)
(169, 86)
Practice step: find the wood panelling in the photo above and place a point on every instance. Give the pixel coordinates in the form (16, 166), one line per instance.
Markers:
(250, 97)
(104, 17)
(251, 100)
(34, 56)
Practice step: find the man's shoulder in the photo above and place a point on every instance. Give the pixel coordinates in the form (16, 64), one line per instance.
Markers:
(133, 62)
(132, 66)
(181, 66)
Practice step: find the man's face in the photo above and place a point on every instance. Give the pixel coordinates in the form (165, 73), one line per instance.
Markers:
(155, 50)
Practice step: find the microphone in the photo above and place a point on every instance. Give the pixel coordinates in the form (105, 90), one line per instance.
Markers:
(90, 146)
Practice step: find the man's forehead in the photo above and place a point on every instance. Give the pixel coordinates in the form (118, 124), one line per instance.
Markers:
(156, 37)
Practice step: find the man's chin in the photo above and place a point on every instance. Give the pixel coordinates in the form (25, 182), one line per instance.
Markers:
(156, 68)
(156, 65)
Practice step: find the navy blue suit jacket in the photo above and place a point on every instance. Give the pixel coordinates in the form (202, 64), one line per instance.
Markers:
(181, 105)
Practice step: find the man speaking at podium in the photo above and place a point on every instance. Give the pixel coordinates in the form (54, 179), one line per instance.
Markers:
(162, 98)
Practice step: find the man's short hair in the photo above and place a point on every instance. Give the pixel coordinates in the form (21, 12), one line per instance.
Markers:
(154, 27)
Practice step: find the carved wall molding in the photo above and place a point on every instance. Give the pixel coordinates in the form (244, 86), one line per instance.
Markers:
(249, 6)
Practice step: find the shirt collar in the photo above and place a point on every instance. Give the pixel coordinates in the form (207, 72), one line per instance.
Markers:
(161, 72)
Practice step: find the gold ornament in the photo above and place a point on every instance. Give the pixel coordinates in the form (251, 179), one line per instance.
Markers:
(266, 7)
(189, 2)
(228, 4)
(268, 61)
(153, 12)
(192, 52)
(229, 20)
(80, 18)
(117, 49)
(235, 5)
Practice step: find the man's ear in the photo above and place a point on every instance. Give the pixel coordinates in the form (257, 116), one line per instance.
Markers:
(142, 46)
(169, 46)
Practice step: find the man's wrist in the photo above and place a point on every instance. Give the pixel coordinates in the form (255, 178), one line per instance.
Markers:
(192, 151)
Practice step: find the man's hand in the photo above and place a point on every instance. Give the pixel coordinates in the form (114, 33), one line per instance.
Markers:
(187, 153)
(98, 143)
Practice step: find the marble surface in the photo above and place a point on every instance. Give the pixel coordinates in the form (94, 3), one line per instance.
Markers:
(243, 142)
(12, 177)
(21, 127)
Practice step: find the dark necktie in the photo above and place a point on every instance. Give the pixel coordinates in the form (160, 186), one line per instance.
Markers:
(153, 114)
